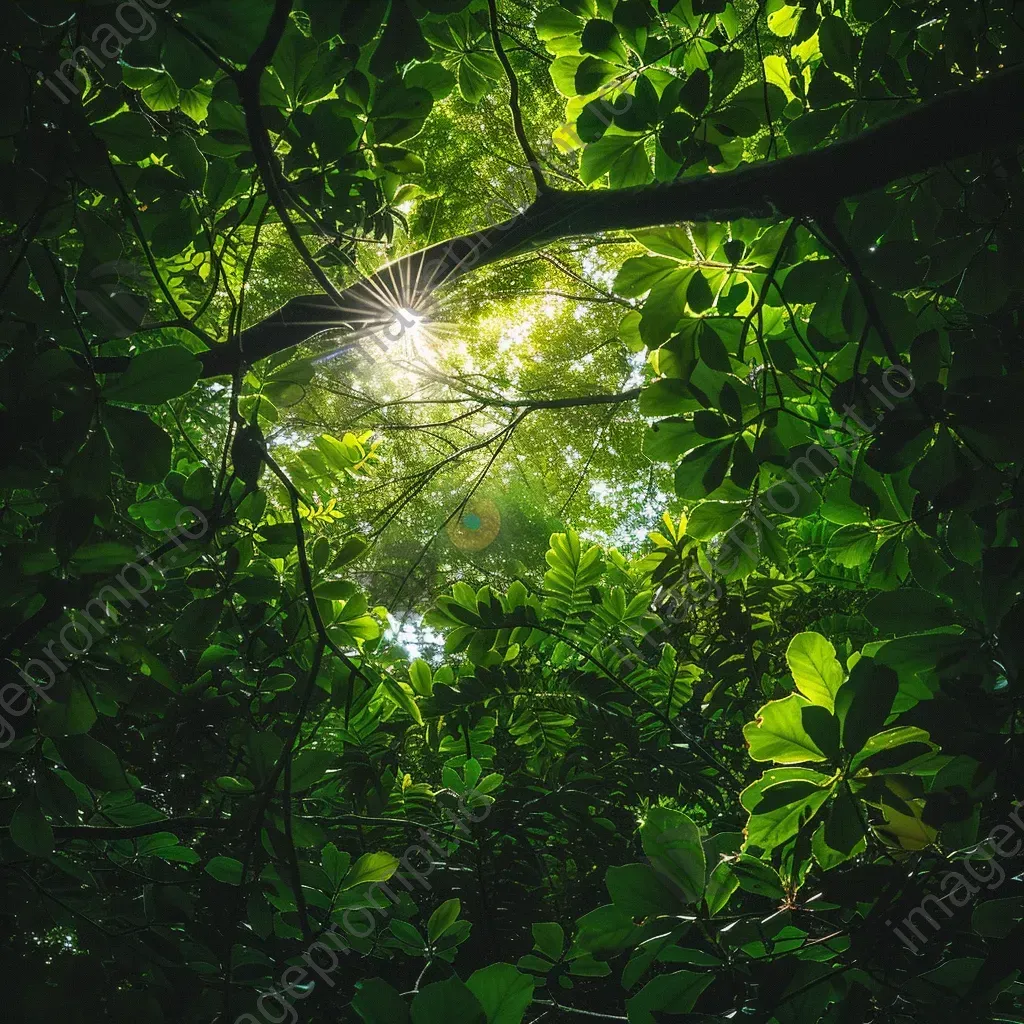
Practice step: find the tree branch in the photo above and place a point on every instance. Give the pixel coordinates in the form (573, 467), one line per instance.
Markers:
(177, 826)
(513, 101)
(986, 114)
(570, 402)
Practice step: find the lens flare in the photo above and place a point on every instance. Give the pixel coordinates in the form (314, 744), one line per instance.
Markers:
(477, 527)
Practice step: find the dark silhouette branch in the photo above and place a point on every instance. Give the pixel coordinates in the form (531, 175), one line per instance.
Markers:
(985, 115)
(184, 825)
(513, 100)
(569, 402)
(248, 82)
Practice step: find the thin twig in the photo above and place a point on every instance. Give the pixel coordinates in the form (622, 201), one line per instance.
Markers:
(513, 101)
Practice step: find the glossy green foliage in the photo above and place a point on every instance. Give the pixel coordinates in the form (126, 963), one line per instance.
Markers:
(636, 631)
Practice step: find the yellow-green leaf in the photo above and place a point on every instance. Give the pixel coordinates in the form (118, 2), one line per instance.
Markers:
(816, 672)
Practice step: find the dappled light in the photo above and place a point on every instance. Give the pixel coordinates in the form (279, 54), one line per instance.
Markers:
(510, 511)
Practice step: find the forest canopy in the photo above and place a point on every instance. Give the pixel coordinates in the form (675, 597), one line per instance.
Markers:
(510, 511)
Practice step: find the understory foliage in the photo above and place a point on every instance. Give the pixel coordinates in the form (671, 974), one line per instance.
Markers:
(641, 636)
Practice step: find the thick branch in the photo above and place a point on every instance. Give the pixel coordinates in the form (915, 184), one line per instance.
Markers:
(181, 826)
(987, 114)
(570, 402)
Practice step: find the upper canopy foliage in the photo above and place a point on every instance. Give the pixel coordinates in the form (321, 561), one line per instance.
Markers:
(647, 366)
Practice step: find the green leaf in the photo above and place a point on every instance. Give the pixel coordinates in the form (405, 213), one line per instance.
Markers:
(233, 29)
(195, 102)
(103, 557)
(445, 1002)
(309, 767)
(985, 284)
(592, 73)
(996, 918)
(891, 739)
(172, 234)
(88, 473)
(563, 74)
(335, 863)
(699, 296)
(128, 135)
(235, 786)
(809, 280)
(784, 20)
(726, 72)
(473, 85)
(197, 621)
(72, 717)
(838, 46)
(806, 132)
(633, 168)
(408, 935)
(403, 697)
(778, 734)
(950, 982)
(757, 877)
(668, 993)
(827, 89)
(31, 831)
(225, 869)
(503, 992)
(753, 794)
(556, 22)
(377, 1002)
(442, 919)
(852, 545)
(371, 867)
(665, 306)
(672, 841)
(790, 500)
(710, 518)
(549, 938)
(696, 93)
(349, 551)
(816, 672)
(187, 160)
(143, 446)
(702, 469)
(721, 885)
(637, 889)
(908, 610)
(676, 131)
(783, 810)
(214, 656)
(601, 38)
(593, 122)
(92, 762)
(746, 114)
(599, 157)
(155, 376)
(161, 94)
(607, 929)
(823, 727)
(865, 701)
(844, 826)
(421, 677)
(435, 78)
